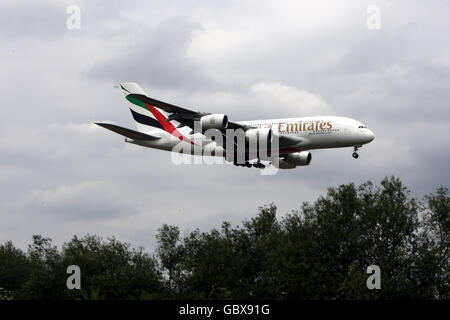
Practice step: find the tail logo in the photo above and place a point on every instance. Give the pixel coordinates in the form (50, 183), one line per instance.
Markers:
(161, 118)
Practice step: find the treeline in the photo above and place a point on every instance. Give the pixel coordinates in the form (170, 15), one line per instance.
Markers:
(321, 251)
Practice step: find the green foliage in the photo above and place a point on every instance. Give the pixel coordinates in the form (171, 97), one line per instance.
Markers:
(14, 267)
(94, 294)
(46, 274)
(5, 294)
(321, 251)
(171, 254)
(111, 269)
(434, 246)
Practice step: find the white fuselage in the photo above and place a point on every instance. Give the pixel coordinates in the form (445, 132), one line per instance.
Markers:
(318, 132)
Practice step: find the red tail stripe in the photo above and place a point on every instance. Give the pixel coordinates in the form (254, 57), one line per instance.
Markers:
(167, 125)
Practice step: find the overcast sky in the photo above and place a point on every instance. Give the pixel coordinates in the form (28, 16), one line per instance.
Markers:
(60, 175)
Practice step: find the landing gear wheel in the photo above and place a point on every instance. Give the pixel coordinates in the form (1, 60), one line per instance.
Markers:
(259, 165)
(355, 152)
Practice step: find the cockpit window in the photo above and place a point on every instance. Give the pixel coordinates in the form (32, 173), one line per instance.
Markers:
(362, 127)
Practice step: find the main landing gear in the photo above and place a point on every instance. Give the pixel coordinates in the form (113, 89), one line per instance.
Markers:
(247, 164)
(259, 165)
(355, 152)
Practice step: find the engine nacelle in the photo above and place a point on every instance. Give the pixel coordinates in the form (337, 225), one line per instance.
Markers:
(264, 135)
(295, 159)
(299, 158)
(214, 121)
(258, 143)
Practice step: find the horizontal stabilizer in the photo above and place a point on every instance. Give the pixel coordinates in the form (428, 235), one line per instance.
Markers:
(135, 135)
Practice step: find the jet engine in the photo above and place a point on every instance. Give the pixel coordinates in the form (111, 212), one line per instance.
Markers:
(253, 144)
(295, 159)
(264, 135)
(214, 121)
(258, 142)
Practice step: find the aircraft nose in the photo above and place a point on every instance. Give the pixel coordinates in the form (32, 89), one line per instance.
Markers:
(370, 135)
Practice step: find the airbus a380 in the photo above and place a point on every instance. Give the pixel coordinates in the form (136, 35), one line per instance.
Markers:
(168, 127)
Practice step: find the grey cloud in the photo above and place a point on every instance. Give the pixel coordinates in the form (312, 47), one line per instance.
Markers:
(157, 57)
(32, 20)
(90, 200)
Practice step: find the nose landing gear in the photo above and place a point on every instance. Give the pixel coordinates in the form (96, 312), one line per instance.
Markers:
(355, 152)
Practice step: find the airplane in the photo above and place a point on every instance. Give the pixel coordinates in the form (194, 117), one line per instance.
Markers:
(165, 126)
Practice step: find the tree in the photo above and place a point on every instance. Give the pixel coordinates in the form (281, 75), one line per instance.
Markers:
(14, 267)
(433, 267)
(239, 263)
(46, 279)
(111, 269)
(171, 254)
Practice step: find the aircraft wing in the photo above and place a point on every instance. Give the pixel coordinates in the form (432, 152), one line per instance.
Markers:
(287, 141)
(184, 116)
(135, 135)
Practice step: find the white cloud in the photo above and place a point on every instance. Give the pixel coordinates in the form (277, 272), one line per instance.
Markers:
(281, 97)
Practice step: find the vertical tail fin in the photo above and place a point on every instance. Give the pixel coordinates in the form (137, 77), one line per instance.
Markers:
(144, 118)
